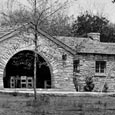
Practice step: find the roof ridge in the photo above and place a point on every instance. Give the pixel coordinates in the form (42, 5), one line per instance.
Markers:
(58, 42)
(5, 36)
(53, 39)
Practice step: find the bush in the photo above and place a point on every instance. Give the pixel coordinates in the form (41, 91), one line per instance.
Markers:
(14, 93)
(75, 83)
(105, 88)
(89, 84)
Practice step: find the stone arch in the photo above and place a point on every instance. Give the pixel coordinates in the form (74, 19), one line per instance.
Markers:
(41, 55)
(61, 74)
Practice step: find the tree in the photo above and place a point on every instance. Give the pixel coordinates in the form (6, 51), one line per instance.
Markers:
(113, 1)
(60, 25)
(87, 23)
(38, 15)
(107, 34)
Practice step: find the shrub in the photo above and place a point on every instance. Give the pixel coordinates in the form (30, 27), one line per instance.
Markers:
(14, 93)
(75, 83)
(105, 88)
(89, 84)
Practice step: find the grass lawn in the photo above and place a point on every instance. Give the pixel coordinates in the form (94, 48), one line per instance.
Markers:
(14, 105)
(51, 104)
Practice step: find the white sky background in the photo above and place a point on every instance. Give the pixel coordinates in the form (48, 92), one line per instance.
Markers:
(102, 7)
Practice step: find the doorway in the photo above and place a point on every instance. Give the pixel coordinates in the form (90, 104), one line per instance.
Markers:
(19, 71)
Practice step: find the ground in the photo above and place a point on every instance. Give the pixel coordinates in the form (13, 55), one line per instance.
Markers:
(13, 105)
(57, 104)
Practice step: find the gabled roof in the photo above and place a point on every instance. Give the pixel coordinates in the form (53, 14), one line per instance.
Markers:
(8, 33)
(72, 45)
(87, 45)
(58, 42)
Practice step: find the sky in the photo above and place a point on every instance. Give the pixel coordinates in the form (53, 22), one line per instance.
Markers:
(102, 7)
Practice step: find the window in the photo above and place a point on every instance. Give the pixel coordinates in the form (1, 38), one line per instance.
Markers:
(100, 67)
(76, 66)
(64, 57)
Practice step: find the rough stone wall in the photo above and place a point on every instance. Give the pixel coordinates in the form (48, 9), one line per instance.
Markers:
(87, 68)
(61, 73)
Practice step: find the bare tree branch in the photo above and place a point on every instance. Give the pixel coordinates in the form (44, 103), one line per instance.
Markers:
(54, 11)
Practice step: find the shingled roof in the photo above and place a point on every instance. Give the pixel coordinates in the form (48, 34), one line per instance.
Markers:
(87, 45)
(97, 47)
(8, 33)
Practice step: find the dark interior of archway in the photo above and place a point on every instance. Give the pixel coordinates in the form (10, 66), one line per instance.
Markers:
(22, 64)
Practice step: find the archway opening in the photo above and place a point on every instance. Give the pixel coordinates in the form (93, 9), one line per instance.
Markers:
(19, 71)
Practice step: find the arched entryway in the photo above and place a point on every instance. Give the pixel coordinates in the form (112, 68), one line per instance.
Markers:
(19, 71)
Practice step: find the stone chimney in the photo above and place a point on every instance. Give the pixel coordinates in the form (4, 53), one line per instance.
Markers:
(94, 36)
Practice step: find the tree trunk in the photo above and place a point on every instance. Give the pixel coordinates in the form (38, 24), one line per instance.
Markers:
(35, 66)
(35, 51)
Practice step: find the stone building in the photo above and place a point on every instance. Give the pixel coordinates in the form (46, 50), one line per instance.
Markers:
(56, 73)
(61, 59)
(97, 60)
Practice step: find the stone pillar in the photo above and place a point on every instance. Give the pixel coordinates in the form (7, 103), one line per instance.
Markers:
(1, 81)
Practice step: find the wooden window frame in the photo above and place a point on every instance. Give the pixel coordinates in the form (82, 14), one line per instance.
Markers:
(76, 66)
(100, 67)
